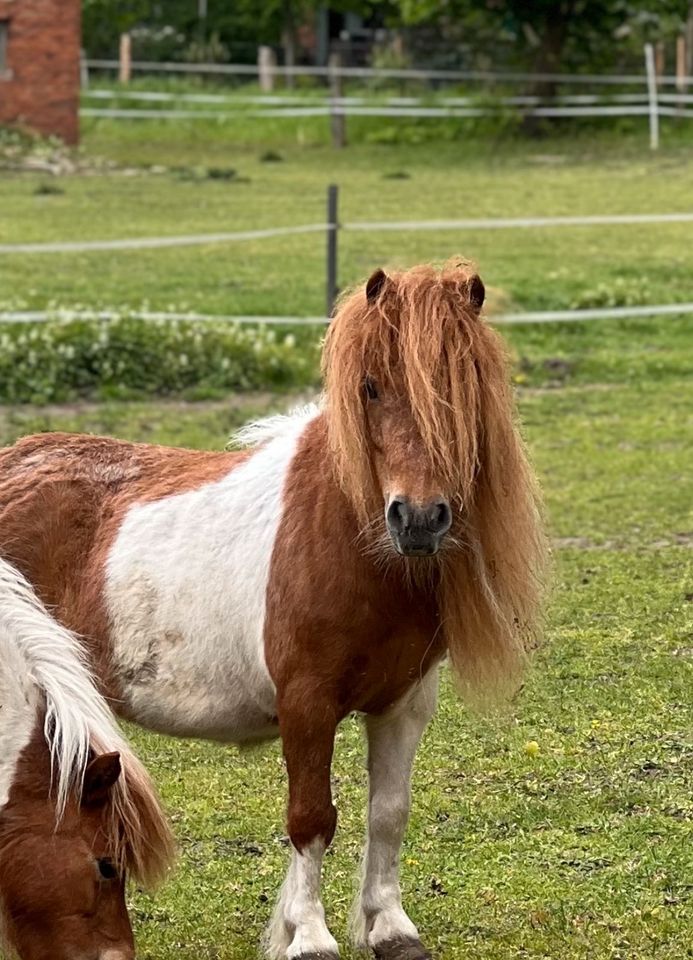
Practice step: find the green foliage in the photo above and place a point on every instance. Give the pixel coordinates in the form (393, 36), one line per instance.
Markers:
(129, 356)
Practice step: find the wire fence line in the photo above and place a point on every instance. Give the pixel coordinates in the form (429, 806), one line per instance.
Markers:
(525, 317)
(357, 226)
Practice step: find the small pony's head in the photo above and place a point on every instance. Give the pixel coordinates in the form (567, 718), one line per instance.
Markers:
(402, 369)
(63, 874)
(63, 888)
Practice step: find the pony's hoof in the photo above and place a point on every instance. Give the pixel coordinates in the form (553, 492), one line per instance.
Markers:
(317, 955)
(401, 948)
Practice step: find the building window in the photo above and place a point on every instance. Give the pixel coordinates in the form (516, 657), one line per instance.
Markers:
(4, 33)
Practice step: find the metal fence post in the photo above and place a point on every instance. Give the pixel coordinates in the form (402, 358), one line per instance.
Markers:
(652, 96)
(332, 228)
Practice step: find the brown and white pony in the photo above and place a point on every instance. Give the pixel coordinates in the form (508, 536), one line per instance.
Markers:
(76, 808)
(327, 568)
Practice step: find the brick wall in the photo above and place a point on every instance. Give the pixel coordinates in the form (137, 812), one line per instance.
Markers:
(39, 87)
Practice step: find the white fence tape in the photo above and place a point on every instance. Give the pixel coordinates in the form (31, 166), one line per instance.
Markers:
(147, 243)
(531, 317)
(287, 100)
(500, 223)
(139, 113)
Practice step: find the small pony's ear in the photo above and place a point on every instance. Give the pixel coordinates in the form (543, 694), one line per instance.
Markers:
(476, 291)
(375, 284)
(99, 778)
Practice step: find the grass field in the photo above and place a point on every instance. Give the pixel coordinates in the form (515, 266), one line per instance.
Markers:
(584, 849)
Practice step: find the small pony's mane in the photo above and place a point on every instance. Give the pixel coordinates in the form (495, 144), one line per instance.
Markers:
(421, 337)
(79, 725)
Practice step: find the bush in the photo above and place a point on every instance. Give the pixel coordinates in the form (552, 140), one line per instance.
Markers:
(128, 356)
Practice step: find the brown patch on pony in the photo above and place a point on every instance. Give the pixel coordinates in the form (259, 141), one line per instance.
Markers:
(422, 338)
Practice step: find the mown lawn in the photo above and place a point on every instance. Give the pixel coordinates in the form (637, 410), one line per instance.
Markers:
(584, 849)
(580, 851)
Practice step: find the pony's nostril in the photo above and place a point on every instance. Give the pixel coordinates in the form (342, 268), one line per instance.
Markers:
(397, 516)
(441, 516)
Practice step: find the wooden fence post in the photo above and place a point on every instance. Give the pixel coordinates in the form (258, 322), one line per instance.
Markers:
(660, 60)
(125, 71)
(83, 70)
(266, 65)
(332, 230)
(681, 84)
(337, 118)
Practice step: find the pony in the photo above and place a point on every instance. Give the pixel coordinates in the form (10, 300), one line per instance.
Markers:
(77, 810)
(326, 567)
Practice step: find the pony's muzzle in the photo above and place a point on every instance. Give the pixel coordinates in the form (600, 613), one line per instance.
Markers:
(417, 530)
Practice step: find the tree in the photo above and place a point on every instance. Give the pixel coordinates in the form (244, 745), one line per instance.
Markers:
(550, 36)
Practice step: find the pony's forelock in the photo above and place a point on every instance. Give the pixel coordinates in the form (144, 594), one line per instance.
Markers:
(422, 335)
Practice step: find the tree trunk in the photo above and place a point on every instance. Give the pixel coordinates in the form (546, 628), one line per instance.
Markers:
(553, 33)
(289, 41)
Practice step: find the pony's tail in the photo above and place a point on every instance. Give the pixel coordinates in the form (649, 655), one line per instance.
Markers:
(79, 724)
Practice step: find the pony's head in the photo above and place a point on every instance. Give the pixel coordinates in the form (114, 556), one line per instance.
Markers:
(422, 429)
(63, 871)
(61, 880)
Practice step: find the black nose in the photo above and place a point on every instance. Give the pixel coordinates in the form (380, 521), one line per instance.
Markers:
(417, 530)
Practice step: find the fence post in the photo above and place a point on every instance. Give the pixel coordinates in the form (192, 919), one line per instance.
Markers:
(332, 229)
(681, 68)
(660, 60)
(337, 118)
(125, 70)
(83, 70)
(652, 95)
(266, 64)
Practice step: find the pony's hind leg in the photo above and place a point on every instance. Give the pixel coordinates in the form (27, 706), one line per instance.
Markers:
(379, 920)
(298, 930)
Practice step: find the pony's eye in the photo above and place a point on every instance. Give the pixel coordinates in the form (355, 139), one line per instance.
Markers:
(371, 388)
(107, 869)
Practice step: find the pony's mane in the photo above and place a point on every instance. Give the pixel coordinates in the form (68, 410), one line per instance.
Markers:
(257, 432)
(79, 725)
(422, 337)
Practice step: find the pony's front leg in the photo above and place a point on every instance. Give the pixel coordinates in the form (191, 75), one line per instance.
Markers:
(380, 921)
(298, 928)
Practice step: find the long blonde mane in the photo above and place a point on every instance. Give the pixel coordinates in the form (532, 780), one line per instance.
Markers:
(79, 725)
(423, 336)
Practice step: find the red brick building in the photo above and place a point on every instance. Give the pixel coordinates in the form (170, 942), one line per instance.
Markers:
(39, 65)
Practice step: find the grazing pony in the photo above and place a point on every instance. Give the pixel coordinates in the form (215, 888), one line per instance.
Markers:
(326, 568)
(77, 810)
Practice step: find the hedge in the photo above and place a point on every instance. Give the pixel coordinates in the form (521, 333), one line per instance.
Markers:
(128, 356)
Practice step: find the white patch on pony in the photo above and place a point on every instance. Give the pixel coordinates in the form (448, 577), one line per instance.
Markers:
(186, 580)
(393, 739)
(43, 663)
(298, 925)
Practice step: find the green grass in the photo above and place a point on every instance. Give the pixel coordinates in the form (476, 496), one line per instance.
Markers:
(584, 850)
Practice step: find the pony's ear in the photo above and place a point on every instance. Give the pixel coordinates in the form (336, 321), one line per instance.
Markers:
(99, 778)
(375, 284)
(476, 291)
